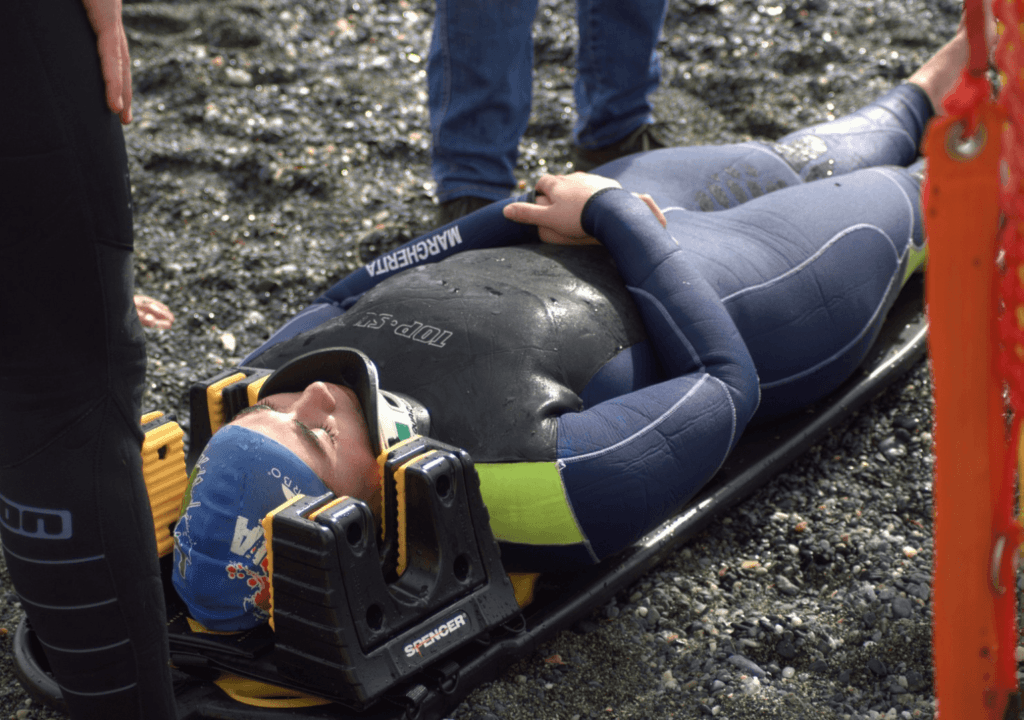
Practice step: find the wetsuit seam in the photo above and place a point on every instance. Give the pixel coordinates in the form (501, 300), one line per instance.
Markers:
(910, 203)
(812, 259)
(84, 651)
(73, 561)
(694, 355)
(572, 514)
(87, 606)
(831, 358)
(55, 438)
(732, 408)
(562, 462)
(112, 691)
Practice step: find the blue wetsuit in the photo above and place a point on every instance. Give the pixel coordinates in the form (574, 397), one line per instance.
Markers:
(764, 293)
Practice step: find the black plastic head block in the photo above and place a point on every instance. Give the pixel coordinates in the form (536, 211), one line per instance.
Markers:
(354, 616)
(213, 402)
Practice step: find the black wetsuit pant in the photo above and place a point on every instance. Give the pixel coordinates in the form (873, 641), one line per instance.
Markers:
(75, 521)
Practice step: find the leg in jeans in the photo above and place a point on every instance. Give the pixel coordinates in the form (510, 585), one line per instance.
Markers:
(75, 522)
(617, 68)
(479, 74)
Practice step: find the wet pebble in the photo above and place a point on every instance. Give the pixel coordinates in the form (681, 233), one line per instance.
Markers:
(785, 586)
(747, 665)
(786, 649)
(901, 607)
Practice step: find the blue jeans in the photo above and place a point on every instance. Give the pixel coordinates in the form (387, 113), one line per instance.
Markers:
(480, 72)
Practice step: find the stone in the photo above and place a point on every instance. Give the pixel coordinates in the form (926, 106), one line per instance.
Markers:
(901, 607)
(786, 649)
(747, 665)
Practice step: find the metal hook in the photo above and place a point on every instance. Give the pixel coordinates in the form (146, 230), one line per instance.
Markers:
(963, 149)
(997, 562)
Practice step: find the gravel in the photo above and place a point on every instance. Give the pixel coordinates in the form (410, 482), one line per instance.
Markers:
(278, 144)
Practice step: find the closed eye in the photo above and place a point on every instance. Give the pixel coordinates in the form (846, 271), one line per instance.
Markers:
(258, 407)
(308, 436)
(331, 435)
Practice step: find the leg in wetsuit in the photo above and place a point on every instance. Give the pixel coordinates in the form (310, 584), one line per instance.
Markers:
(802, 237)
(75, 521)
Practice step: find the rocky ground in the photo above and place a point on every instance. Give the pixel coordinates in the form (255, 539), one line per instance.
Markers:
(279, 144)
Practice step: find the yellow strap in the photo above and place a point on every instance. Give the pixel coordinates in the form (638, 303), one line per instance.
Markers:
(401, 512)
(198, 627)
(163, 468)
(215, 400)
(268, 537)
(151, 416)
(261, 694)
(253, 389)
(382, 460)
(523, 585)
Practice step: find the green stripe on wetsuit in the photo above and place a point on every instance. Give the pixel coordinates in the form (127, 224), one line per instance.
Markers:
(527, 504)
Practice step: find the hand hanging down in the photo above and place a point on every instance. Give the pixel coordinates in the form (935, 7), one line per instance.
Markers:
(559, 205)
(112, 45)
(153, 313)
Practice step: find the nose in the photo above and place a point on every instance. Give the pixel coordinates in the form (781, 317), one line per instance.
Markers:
(315, 402)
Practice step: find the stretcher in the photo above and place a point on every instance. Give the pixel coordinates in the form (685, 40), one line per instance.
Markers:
(404, 627)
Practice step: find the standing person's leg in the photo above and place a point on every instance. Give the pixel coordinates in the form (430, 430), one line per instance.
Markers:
(75, 520)
(479, 75)
(617, 69)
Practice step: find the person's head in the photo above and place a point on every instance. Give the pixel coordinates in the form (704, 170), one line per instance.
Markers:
(319, 425)
(323, 425)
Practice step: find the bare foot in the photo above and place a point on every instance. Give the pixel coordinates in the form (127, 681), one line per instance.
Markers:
(939, 75)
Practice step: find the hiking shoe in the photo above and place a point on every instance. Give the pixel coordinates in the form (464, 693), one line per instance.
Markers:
(640, 140)
(448, 212)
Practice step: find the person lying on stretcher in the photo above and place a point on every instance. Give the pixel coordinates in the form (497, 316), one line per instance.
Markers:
(598, 377)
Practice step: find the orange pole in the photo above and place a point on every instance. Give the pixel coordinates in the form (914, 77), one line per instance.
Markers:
(962, 219)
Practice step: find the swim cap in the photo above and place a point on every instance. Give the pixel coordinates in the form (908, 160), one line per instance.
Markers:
(220, 554)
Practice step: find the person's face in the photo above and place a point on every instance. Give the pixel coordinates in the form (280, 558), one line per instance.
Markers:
(324, 426)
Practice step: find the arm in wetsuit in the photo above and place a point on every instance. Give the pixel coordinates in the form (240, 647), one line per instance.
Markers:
(628, 463)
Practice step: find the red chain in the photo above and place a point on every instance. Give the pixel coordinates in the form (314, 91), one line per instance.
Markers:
(1009, 57)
